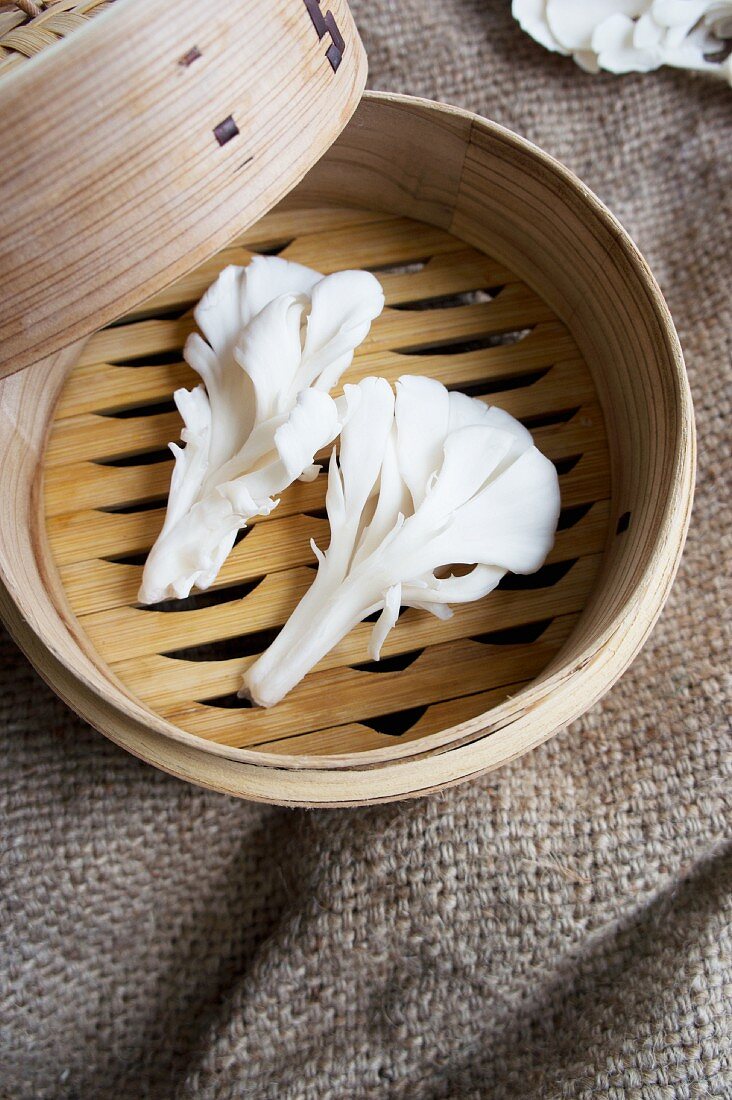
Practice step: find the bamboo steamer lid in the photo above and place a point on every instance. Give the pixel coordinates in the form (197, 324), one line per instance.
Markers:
(140, 136)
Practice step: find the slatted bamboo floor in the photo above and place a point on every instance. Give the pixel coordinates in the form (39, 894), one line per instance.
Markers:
(452, 313)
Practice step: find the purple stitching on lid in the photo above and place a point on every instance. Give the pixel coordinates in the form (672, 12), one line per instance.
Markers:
(326, 25)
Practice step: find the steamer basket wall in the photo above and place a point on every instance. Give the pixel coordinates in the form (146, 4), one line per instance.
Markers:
(595, 368)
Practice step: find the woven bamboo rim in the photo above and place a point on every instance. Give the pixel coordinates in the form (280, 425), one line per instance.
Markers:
(28, 26)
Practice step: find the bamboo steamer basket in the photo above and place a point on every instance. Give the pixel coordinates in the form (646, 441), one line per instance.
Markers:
(504, 276)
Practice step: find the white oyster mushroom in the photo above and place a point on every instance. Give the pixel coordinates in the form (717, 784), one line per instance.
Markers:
(531, 16)
(615, 48)
(648, 33)
(428, 482)
(573, 22)
(623, 36)
(274, 338)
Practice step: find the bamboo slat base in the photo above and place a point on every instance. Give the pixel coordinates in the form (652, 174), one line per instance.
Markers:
(452, 313)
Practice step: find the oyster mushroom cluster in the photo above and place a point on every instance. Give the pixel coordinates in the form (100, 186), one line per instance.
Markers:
(423, 481)
(623, 36)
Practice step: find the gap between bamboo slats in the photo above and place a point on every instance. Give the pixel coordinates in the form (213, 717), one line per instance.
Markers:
(87, 435)
(98, 585)
(332, 697)
(153, 676)
(78, 536)
(90, 436)
(358, 737)
(87, 483)
(125, 632)
(110, 388)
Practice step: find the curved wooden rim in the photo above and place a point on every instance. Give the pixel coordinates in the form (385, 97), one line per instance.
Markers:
(461, 751)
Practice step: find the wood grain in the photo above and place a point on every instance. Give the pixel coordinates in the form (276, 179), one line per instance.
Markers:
(122, 186)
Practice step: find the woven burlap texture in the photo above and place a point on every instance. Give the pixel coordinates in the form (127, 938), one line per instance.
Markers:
(560, 928)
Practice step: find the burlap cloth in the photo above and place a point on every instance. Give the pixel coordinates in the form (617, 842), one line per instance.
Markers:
(561, 928)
